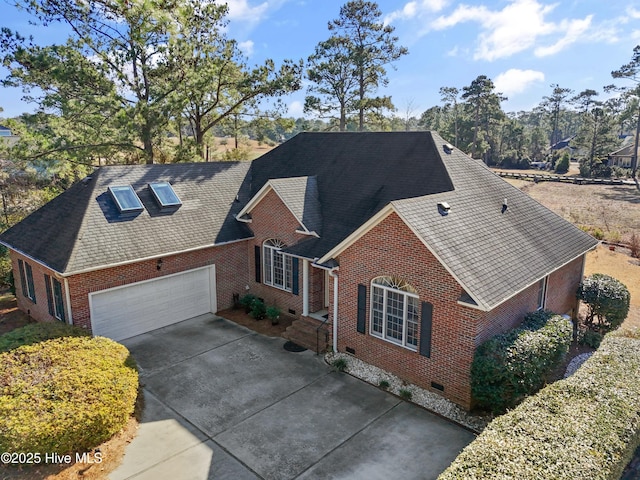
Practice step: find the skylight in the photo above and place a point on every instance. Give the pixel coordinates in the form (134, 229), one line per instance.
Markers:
(164, 194)
(126, 199)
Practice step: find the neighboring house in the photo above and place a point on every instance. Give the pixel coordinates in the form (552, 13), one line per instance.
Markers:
(6, 136)
(622, 157)
(414, 252)
(562, 146)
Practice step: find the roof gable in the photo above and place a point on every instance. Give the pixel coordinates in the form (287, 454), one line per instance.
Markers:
(300, 196)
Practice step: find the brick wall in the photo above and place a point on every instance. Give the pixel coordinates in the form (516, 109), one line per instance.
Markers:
(40, 309)
(271, 219)
(560, 298)
(230, 261)
(391, 249)
(562, 288)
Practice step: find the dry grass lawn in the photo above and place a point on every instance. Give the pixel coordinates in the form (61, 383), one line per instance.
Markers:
(615, 210)
(621, 266)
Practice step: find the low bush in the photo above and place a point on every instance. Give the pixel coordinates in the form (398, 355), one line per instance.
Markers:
(65, 395)
(586, 427)
(38, 332)
(258, 309)
(508, 367)
(405, 394)
(247, 301)
(590, 338)
(340, 364)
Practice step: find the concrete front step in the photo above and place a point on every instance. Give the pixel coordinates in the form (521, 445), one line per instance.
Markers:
(305, 333)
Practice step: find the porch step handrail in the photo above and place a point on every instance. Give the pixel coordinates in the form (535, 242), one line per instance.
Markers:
(318, 334)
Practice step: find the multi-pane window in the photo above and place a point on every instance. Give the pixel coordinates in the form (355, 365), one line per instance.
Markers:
(26, 278)
(278, 266)
(58, 303)
(394, 311)
(542, 292)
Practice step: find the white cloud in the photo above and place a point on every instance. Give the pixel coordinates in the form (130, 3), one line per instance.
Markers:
(246, 47)
(515, 81)
(415, 9)
(295, 109)
(574, 29)
(241, 10)
(633, 13)
(517, 27)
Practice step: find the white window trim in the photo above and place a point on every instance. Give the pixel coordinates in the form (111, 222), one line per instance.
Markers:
(23, 271)
(287, 273)
(58, 315)
(542, 299)
(383, 335)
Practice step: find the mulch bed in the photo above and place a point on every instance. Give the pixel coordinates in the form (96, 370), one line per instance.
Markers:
(10, 317)
(261, 326)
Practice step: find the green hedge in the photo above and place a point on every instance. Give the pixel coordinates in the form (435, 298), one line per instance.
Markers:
(38, 332)
(508, 367)
(586, 427)
(64, 395)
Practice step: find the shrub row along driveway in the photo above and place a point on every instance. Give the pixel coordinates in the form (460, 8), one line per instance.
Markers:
(224, 402)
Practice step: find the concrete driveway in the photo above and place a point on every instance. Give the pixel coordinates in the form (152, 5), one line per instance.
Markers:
(223, 402)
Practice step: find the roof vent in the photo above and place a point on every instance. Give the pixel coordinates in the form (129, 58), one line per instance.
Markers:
(448, 148)
(443, 208)
(504, 206)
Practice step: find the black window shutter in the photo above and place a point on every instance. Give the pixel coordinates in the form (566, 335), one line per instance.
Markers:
(23, 280)
(295, 270)
(258, 264)
(362, 308)
(47, 284)
(425, 329)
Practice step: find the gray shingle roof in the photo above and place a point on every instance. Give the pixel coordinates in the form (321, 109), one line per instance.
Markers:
(357, 175)
(493, 254)
(300, 194)
(82, 229)
(334, 183)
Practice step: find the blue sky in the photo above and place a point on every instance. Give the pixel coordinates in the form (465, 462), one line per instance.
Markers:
(524, 46)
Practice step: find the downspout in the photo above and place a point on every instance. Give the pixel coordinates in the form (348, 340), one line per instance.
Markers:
(305, 287)
(68, 298)
(334, 273)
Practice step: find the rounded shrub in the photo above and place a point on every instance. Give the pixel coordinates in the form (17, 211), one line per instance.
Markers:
(38, 332)
(607, 300)
(64, 395)
(510, 366)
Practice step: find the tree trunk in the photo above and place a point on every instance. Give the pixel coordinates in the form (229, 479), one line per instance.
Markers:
(199, 134)
(148, 143)
(634, 157)
(361, 104)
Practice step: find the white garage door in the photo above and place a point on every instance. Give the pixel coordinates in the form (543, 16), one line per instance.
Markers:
(123, 312)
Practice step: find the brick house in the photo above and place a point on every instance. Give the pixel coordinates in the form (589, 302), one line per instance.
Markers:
(409, 252)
